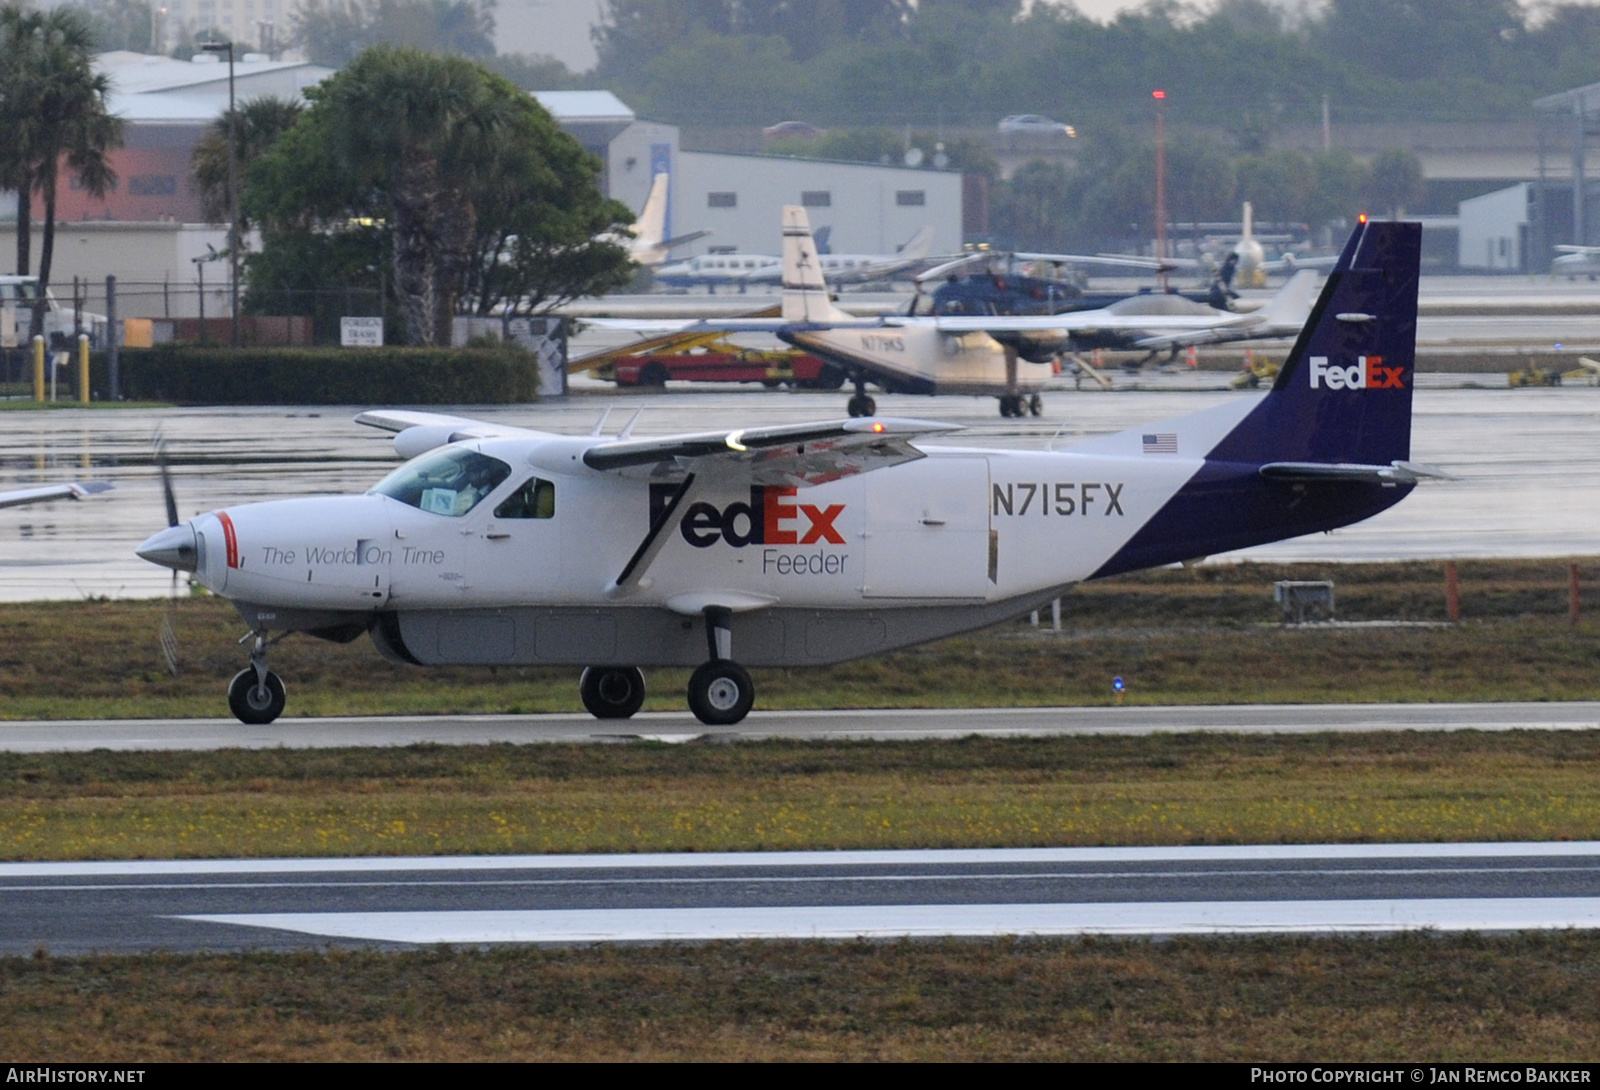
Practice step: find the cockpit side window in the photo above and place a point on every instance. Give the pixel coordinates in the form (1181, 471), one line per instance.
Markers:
(450, 482)
(534, 500)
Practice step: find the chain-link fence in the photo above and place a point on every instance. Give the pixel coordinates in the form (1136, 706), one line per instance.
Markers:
(198, 311)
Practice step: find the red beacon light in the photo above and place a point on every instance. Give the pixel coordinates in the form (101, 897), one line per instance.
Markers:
(1158, 94)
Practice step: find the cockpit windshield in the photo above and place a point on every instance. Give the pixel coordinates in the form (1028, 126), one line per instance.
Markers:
(450, 482)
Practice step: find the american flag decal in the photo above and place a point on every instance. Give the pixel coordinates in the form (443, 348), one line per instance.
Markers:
(1161, 443)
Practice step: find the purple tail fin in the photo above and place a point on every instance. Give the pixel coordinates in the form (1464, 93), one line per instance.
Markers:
(1312, 455)
(1344, 394)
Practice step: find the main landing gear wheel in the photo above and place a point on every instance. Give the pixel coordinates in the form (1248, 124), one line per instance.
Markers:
(1011, 405)
(611, 692)
(862, 405)
(255, 700)
(1035, 405)
(721, 693)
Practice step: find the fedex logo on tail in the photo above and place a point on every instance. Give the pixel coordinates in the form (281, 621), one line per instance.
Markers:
(1367, 373)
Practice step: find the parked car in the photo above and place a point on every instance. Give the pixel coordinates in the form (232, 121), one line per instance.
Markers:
(1035, 124)
(793, 128)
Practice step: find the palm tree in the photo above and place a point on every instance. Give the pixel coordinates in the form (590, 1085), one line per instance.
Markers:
(260, 122)
(52, 113)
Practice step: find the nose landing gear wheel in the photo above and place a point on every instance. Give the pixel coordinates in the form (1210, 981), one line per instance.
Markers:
(253, 702)
(721, 693)
(611, 692)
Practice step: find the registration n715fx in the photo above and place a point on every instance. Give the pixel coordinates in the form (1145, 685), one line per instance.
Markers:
(802, 544)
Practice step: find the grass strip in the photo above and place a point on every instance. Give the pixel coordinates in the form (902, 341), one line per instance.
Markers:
(779, 795)
(1201, 635)
(1408, 998)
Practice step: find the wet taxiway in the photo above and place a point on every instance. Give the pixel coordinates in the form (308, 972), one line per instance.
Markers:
(1528, 463)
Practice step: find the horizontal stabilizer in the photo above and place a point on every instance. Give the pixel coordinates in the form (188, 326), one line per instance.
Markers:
(1396, 472)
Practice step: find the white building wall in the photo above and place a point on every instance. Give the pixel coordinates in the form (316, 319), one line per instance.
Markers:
(1491, 229)
(871, 209)
(634, 157)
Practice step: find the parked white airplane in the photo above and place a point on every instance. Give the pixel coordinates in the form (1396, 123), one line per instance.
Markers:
(647, 244)
(742, 270)
(1006, 355)
(45, 493)
(1575, 261)
(802, 544)
(1244, 262)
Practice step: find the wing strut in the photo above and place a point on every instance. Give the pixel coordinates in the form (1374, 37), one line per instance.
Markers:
(642, 557)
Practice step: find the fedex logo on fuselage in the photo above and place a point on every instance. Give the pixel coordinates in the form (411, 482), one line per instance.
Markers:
(770, 518)
(1367, 373)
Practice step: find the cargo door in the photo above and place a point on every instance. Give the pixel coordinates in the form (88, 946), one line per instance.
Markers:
(928, 530)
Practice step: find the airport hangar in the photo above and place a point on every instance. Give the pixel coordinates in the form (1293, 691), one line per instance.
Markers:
(149, 229)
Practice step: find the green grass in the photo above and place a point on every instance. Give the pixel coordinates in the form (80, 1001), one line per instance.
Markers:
(1409, 998)
(976, 792)
(1204, 635)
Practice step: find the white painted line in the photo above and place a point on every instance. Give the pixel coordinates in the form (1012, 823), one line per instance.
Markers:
(919, 858)
(913, 921)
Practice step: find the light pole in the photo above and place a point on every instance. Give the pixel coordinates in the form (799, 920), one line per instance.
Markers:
(1161, 188)
(233, 188)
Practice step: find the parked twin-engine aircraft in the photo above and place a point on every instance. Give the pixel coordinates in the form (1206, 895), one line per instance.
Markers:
(1245, 262)
(742, 270)
(802, 544)
(1007, 355)
(45, 493)
(648, 244)
(1575, 261)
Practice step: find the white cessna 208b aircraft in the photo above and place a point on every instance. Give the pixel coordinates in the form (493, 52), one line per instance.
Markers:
(803, 544)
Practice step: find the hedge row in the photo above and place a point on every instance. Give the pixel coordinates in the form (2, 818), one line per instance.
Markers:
(188, 375)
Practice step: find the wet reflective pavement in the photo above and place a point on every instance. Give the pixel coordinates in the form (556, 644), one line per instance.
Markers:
(1529, 463)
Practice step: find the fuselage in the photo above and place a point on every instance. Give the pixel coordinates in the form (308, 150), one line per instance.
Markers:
(515, 523)
(922, 360)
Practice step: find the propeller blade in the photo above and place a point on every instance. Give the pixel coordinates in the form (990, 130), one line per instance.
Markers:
(169, 637)
(166, 482)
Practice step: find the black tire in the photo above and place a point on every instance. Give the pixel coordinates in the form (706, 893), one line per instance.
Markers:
(254, 704)
(611, 692)
(829, 378)
(1008, 406)
(1036, 405)
(653, 374)
(862, 405)
(721, 693)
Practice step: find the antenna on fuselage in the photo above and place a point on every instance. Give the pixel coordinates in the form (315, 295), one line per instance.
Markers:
(627, 429)
(601, 423)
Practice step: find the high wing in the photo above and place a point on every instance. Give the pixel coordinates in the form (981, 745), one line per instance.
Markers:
(418, 432)
(796, 455)
(1285, 312)
(45, 493)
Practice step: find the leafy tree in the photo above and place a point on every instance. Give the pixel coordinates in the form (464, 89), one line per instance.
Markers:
(1337, 194)
(1278, 183)
(260, 122)
(335, 32)
(1038, 207)
(1394, 181)
(117, 24)
(533, 72)
(52, 111)
(446, 174)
